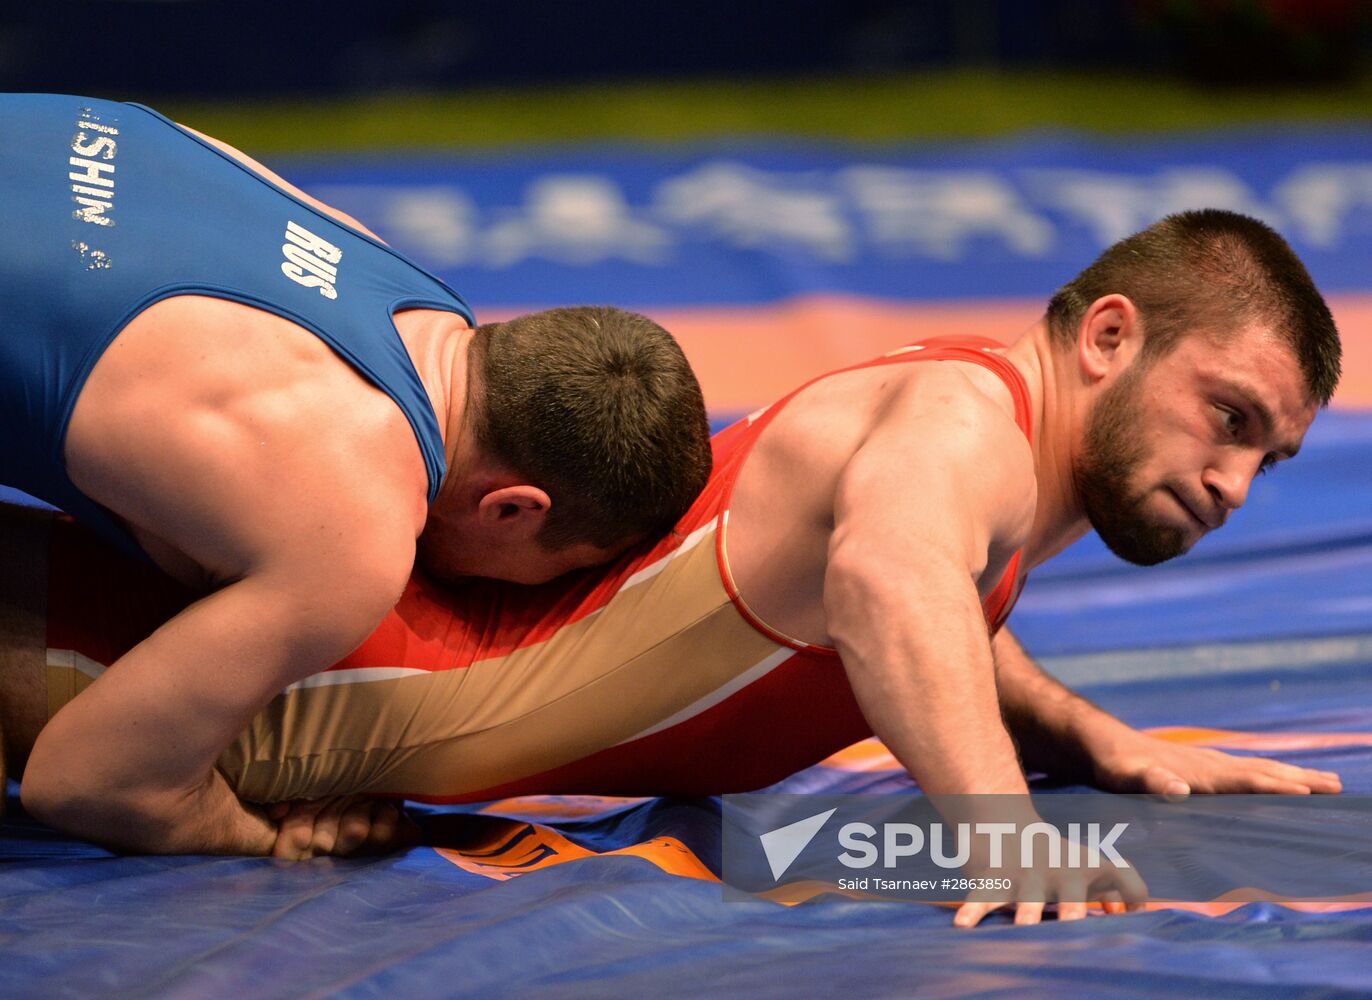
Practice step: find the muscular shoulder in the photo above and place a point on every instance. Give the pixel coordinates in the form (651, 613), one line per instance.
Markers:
(258, 443)
(943, 451)
(947, 407)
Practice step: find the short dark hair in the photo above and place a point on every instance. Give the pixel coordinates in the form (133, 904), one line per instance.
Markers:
(598, 407)
(1210, 271)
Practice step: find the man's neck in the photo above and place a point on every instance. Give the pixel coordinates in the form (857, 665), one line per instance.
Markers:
(1058, 419)
(437, 344)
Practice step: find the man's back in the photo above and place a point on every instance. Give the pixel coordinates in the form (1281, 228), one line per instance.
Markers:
(263, 411)
(115, 210)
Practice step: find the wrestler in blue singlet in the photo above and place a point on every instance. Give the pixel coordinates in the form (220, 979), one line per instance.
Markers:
(109, 208)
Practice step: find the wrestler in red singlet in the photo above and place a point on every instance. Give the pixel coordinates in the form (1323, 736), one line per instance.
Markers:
(648, 677)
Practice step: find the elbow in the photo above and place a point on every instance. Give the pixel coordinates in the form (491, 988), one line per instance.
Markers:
(52, 791)
(80, 797)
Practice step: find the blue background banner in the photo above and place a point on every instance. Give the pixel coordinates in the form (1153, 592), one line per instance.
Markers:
(712, 224)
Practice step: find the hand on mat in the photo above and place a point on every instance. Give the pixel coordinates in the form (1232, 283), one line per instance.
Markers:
(1117, 888)
(341, 826)
(1142, 763)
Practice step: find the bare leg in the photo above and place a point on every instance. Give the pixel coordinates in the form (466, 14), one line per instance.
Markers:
(23, 632)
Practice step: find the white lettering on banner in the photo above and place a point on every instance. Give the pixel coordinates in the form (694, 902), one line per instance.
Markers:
(1114, 205)
(756, 209)
(935, 213)
(833, 217)
(574, 219)
(436, 223)
(1039, 843)
(1318, 199)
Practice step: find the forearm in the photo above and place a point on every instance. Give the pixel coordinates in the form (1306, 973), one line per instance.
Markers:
(129, 762)
(921, 671)
(1054, 727)
(208, 819)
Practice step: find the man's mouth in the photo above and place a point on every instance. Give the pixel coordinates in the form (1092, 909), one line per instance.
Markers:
(1191, 512)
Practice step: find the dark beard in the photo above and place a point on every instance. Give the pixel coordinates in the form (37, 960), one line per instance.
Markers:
(1111, 455)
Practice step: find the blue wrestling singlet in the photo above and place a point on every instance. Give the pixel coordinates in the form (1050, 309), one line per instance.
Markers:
(111, 207)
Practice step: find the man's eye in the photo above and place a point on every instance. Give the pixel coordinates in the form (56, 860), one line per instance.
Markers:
(1231, 419)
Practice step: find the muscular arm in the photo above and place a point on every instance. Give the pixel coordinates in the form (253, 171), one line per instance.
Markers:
(129, 763)
(1050, 722)
(930, 507)
(340, 825)
(1063, 734)
(313, 536)
(310, 549)
(939, 484)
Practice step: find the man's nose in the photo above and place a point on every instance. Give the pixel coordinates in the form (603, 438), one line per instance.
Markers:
(1228, 482)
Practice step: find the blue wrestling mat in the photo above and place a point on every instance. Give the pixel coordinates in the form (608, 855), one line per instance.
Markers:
(1260, 641)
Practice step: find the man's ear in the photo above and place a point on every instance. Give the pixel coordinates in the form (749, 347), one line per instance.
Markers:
(514, 511)
(1109, 337)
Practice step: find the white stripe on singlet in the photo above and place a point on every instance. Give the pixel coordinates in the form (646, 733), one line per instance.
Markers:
(738, 683)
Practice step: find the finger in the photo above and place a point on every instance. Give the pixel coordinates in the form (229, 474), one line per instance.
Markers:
(970, 914)
(1111, 902)
(1233, 773)
(1028, 913)
(295, 830)
(385, 828)
(1073, 911)
(392, 829)
(354, 827)
(1271, 785)
(326, 824)
(1131, 888)
(1324, 782)
(1157, 780)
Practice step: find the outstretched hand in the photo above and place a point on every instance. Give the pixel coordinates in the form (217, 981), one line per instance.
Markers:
(1028, 888)
(1139, 762)
(342, 826)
